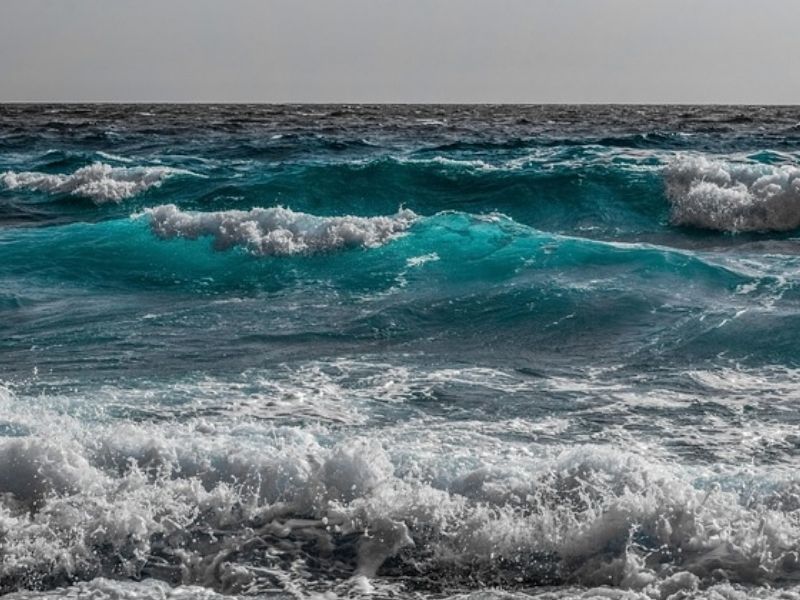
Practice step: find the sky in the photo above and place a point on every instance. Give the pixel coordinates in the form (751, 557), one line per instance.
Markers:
(530, 51)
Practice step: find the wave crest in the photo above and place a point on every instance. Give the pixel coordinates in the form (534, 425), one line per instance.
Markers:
(727, 196)
(100, 182)
(277, 231)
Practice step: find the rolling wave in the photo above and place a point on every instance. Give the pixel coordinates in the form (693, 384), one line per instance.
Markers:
(565, 189)
(482, 279)
(459, 240)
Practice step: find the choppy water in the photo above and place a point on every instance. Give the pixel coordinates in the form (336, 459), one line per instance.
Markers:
(399, 351)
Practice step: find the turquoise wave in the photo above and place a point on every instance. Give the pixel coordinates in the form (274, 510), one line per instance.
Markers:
(448, 246)
(446, 277)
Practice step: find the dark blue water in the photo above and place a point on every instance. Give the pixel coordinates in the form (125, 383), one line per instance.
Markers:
(277, 351)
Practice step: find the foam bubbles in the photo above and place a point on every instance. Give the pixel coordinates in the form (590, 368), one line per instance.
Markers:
(277, 231)
(733, 196)
(251, 506)
(110, 589)
(99, 182)
(34, 469)
(276, 507)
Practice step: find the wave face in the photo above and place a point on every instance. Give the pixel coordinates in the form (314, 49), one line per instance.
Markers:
(399, 351)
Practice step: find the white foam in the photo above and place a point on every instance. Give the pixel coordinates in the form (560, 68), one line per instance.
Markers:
(231, 506)
(418, 261)
(444, 161)
(277, 231)
(733, 196)
(115, 157)
(39, 469)
(110, 589)
(99, 182)
(147, 497)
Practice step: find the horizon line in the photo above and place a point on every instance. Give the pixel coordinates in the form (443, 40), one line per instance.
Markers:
(380, 103)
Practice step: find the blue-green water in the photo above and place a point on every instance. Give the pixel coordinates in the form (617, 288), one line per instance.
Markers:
(399, 350)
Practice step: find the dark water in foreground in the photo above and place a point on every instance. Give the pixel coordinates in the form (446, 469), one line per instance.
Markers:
(399, 351)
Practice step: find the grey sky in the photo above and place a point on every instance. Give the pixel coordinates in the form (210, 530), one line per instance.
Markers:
(400, 50)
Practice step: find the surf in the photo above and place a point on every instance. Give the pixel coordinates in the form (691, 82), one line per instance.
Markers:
(398, 350)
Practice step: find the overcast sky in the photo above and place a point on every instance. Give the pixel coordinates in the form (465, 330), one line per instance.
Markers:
(734, 51)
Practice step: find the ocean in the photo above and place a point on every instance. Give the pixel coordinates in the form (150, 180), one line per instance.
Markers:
(472, 352)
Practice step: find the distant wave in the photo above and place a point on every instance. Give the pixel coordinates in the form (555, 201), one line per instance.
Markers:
(277, 231)
(541, 160)
(729, 196)
(100, 182)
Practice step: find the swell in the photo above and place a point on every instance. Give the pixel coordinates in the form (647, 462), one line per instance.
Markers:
(584, 191)
(663, 140)
(564, 192)
(481, 280)
(262, 239)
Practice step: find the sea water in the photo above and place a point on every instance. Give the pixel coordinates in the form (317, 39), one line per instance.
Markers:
(399, 351)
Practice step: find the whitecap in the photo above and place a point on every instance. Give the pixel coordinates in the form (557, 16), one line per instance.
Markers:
(733, 196)
(418, 261)
(277, 231)
(116, 157)
(99, 181)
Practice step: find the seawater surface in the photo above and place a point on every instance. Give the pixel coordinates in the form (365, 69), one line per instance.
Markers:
(399, 352)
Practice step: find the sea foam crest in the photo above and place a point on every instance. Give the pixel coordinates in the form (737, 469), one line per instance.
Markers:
(277, 231)
(99, 181)
(729, 196)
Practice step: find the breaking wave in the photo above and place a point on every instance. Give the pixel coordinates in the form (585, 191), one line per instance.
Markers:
(248, 507)
(277, 231)
(99, 182)
(730, 196)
